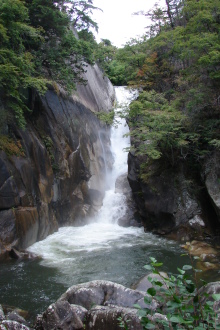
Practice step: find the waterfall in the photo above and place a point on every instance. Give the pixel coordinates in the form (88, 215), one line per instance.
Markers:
(103, 153)
(101, 248)
(103, 230)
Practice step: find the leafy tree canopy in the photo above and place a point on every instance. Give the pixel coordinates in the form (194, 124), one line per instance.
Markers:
(39, 45)
(176, 65)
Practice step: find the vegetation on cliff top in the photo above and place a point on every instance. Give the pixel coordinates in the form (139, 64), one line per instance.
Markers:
(38, 46)
(176, 66)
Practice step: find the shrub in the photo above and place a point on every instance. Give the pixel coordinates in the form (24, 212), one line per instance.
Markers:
(179, 300)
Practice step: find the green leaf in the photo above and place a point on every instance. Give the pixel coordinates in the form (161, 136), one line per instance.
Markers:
(181, 271)
(137, 306)
(158, 264)
(176, 319)
(158, 283)
(187, 267)
(142, 313)
(147, 300)
(176, 298)
(152, 292)
(190, 287)
(148, 267)
(150, 326)
(216, 296)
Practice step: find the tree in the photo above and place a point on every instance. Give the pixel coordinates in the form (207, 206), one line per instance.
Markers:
(39, 46)
(104, 54)
(180, 65)
(17, 68)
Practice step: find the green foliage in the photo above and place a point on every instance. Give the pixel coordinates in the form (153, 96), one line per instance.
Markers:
(122, 323)
(106, 117)
(38, 47)
(11, 147)
(17, 70)
(105, 54)
(158, 129)
(180, 305)
(176, 116)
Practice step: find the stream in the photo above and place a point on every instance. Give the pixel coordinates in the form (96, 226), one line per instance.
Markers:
(99, 250)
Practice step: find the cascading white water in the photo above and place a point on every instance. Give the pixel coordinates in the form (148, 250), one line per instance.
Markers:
(103, 231)
(69, 248)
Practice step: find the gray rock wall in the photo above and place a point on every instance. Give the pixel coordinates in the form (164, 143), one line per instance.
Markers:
(60, 178)
(177, 202)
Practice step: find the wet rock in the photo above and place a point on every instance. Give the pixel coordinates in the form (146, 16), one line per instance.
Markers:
(211, 174)
(102, 293)
(60, 315)
(97, 305)
(9, 195)
(208, 255)
(80, 311)
(13, 316)
(197, 248)
(166, 200)
(14, 254)
(196, 222)
(12, 325)
(106, 318)
(206, 265)
(122, 185)
(207, 291)
(131, 217)
(2, 315)
(11, 310)
(98, 94)
(144, 284)
(8, 233)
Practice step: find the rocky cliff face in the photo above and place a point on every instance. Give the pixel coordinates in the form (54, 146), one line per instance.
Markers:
(59, 178)
(177, 202)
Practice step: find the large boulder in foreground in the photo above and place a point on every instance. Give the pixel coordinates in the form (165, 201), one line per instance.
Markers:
(95, 305)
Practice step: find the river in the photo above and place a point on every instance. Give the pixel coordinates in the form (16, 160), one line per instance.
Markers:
(99, 250)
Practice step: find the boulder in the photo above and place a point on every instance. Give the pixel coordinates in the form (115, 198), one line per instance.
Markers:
(206, 293)
(95, 305)
(60, 315)
(107, 318)
(208, 255)
(12, 325)
(200, 249)
(2, 315)
(103, 293)
(122, 185)
(130, 218)
(144, 284)
(13, 316)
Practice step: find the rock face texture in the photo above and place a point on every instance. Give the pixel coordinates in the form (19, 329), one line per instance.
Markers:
(58, 179)
(94, 305)
(171, 201)
(211, 177)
